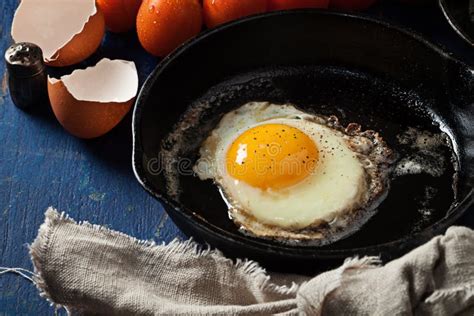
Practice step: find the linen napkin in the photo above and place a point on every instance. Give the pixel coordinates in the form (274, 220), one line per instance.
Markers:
(92, 270)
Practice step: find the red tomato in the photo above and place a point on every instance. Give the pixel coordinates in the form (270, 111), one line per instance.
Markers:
(220, 11)
(296, 4)
(120, 15)
(354, 5)
(163, 25)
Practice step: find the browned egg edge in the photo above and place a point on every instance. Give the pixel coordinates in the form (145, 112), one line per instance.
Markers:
(377, 160)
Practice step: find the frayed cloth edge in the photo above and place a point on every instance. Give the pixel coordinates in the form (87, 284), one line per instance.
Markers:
(439, 295)
(38, 252)
(41, 245)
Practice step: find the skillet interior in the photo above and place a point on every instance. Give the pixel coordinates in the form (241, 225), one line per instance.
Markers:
(324, 62)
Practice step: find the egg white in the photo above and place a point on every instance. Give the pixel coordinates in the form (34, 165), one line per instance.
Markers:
(336, 186)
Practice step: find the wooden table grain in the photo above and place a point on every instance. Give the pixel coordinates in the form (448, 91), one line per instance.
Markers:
(41, 165)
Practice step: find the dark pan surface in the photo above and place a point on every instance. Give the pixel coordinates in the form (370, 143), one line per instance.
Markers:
(353, 96)
(358, 69)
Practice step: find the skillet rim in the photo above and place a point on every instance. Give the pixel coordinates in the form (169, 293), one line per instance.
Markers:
(202, 225)
(454, 23)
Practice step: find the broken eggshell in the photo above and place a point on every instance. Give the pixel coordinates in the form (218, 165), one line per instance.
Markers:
(90, 102)
(67, 31)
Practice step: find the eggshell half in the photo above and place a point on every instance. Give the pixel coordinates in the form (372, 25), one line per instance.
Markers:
(67, 31)
(89, 103)
(82, 45)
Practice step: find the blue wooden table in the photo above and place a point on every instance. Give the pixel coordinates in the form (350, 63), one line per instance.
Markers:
(42, 165)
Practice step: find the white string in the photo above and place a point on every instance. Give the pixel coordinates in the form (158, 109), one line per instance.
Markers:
(29, 275)
(20, 271)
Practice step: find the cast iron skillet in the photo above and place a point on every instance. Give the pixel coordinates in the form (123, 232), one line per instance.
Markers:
(358, 68)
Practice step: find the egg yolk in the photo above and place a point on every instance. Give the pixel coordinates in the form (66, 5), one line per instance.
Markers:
(272, 156)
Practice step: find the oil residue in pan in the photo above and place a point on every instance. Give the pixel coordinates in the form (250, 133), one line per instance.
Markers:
(425, 153)
(422, 186)
(422, 152)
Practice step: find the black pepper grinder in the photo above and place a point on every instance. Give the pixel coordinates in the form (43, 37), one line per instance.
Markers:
(26, 75)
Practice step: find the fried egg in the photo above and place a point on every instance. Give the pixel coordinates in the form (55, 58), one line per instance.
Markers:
(290, 175)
